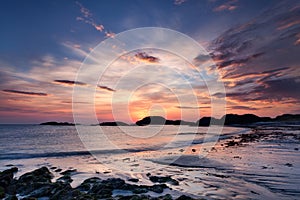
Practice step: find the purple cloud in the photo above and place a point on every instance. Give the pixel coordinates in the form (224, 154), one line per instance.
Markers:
(260, 58)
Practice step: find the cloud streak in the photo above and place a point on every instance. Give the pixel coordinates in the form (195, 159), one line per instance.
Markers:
(25, 93)
(192, 107)
(68, 82)
(106, 88)
(243, 108)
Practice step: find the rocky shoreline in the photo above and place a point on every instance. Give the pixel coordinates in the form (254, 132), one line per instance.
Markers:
(258, 159)
(38, 184)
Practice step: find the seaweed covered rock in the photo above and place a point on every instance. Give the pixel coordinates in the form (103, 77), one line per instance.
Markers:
(39, 175)
(163, 179)
(38, 185)
(7, 176)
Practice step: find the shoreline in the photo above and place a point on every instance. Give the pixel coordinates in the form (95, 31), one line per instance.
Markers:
(229, 162)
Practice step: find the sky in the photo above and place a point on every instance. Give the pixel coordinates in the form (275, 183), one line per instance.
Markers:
(254, 46)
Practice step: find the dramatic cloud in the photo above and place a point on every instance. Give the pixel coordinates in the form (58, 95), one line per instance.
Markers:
(267, 90)
(68, 82)
(230, 94)
(279, 89)
(259, 60)
(239, 62)
(106, 88)
(267, 73)
(143, 56)
(26, 93)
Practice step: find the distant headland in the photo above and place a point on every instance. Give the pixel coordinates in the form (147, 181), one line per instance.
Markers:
(58, 123)
(228, 119)
(113, 124)
(158, 120)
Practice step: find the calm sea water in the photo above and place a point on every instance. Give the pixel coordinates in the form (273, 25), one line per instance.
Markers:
(34, 141)
(269, 169)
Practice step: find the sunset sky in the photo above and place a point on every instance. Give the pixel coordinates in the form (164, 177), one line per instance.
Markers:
(255, 45)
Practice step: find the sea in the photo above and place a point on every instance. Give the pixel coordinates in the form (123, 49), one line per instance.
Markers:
(195, 156)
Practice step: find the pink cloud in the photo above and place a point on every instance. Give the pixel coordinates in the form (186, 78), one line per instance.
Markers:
(229, 6)
(110, 34)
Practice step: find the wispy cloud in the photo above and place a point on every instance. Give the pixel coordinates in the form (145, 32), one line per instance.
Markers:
(68, 82)
(179, 2)
(242, 108)
(106, 88)
(35, 91)
(143, 56)
(87, 17)
(85, 12)
(229, 6)
(26, 93)
(109, 34)
(287, 23)
(192, 107)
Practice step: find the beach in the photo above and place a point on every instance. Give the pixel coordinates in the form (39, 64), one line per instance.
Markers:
(150, 100)
(260, 162)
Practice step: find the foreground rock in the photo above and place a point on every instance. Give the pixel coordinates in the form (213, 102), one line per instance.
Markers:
(7, 181)
(163, 179)
(38, 184)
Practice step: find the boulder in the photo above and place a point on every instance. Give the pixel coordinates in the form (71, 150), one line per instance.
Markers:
(163, 179)
(7, 177)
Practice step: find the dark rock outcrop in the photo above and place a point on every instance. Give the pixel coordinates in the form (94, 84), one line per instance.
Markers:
(206, 121)
(246, 119)
(113, 124)
(158, 120)
(231, 119)
(287, 117)
(37, 180)
(163, 179)
(7, 181)
(58, 123)
(38, 184)
(151, 120)
(179, 122)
